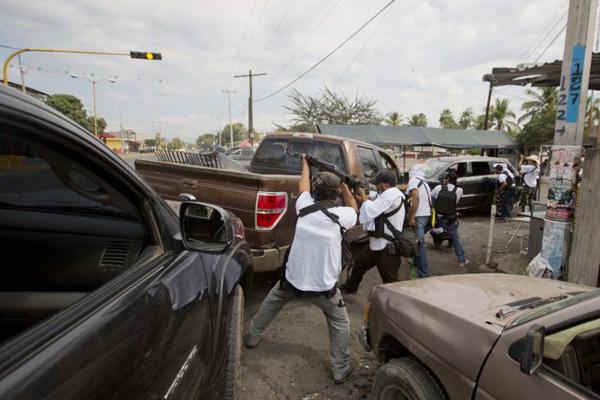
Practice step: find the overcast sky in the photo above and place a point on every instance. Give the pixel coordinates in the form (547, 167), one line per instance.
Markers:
(418, 56)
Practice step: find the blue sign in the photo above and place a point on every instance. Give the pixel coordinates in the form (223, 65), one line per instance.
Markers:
(575, 82)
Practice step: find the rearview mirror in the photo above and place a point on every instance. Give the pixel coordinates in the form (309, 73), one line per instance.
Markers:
(532, 351)
(204, 227)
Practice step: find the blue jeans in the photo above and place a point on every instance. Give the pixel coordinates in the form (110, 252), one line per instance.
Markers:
(421, 258)
(452, 229)
(507, 203)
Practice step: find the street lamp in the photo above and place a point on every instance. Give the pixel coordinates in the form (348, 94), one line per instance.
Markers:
(93, 82)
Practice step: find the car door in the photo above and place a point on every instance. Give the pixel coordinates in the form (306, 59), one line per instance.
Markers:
(465, 181)
(484, 182)
(148, 332)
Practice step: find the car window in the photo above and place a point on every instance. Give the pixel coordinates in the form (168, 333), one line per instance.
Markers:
(460, 169)
(481, 168)
(387, 164)
(368, 160)
(30, 179)
(432, 166)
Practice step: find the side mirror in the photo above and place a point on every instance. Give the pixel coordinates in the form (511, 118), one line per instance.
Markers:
(532, 350)
(204, 227)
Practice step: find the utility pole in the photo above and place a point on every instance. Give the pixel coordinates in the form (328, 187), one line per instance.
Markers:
(22, 72)
(250, 116)
(567, 150)
(229, 100)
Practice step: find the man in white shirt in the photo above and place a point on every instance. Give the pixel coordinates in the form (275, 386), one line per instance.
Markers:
(530, 172)
(446, 213)
(505, 190)
(388, 204)
(419, 214)
(314, 264)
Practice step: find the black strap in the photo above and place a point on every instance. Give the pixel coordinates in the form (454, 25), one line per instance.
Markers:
(323, 206)
(385, 218)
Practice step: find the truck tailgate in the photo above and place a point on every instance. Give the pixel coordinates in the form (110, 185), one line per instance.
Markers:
(235, 191)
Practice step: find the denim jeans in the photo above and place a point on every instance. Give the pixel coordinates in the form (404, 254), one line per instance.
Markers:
(335, 313)
(421, 258)
(507, 203)
(452, 229)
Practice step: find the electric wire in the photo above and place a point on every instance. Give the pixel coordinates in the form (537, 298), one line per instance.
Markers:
(328, 54)
(551, 43)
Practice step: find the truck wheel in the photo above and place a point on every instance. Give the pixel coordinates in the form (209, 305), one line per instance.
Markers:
(233, 379)
(405, 378)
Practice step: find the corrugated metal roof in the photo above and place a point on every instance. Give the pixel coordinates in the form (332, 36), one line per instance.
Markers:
(421, 136)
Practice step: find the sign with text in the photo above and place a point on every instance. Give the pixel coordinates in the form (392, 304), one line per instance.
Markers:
(575, 83)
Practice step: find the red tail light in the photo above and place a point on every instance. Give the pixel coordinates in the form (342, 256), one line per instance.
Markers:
(270, 208)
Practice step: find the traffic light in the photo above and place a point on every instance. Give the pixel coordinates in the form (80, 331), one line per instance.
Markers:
(146, 55)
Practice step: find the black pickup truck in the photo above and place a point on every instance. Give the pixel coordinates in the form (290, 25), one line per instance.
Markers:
(105, 293)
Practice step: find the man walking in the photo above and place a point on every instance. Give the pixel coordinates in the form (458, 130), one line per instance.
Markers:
(388, 205)
(505, 190)
(445, 197)
(530, 172)
(419, 215)
(314, 265)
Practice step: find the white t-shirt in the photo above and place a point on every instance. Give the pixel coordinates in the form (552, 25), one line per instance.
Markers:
(530, 174)
(502, 176)
(424, 209)
(315, 259)
(436, 190)
(386, 202)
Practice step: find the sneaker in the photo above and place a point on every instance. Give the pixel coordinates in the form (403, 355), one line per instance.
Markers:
(251, 341)
(344, 377)
(464, 264)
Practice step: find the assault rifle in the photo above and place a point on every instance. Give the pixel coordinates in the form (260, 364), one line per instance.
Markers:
(349, 180)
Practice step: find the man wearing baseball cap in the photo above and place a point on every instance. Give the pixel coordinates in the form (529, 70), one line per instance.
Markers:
(314, 264)
(388, 203)
(530, 171)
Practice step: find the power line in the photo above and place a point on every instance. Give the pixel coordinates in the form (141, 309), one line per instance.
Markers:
(550, 44)
(237, 52)
(542, 38)
(10, 47)
(329, 54)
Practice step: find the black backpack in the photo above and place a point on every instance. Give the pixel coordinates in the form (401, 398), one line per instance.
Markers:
(406, 242)
(445, 202)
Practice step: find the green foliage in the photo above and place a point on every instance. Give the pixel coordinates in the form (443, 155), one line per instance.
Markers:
(100, 124)
(331, 108)
(240, 133)
(161, 142)
(447, 119)
(500, 114)
(467, 119)
(206, 141)
(539, 130)
(175, 144)
(394, 119)
(72, 107)
(299, 127)
(419, 119)
(545, 97)
(150, 142)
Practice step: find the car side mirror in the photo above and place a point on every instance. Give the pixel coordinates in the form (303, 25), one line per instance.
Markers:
(204, 227)
(532, 350)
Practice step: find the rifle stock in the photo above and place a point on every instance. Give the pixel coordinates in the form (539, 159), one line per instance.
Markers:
(327, 167)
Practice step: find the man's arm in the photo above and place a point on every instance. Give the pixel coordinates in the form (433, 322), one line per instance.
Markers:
(414, 204)
(304, 185)
(347, 197)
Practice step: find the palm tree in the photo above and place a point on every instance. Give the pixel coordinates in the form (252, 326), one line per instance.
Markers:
(467, 119)
(546, 97)
(394, 119)
(447, 119)
(419, 119)
(592, 114)
(500, 113)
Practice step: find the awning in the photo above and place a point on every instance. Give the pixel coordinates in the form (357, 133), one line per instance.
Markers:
(421, 136)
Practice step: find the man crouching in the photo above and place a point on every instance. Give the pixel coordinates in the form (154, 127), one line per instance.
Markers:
(314, 264)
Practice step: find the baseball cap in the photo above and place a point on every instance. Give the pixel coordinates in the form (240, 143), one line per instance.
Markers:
(385, 177)
(327, 180)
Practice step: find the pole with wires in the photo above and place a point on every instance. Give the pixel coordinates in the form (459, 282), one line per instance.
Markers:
(250, 111)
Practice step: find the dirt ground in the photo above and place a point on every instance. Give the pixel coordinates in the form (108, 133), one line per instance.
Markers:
(292, 360)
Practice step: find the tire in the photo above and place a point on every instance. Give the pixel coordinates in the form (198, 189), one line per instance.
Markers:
(405, 378)
(233, 377)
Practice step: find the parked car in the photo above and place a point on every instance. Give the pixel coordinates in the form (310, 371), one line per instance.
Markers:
(240, 153)
(105, 292)
(484, 336)
(263, 196)
(475, 175)
(148, 149)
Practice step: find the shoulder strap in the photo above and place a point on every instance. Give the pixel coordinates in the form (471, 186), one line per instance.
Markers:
(455, 188)
(427, 190)
(317, 206)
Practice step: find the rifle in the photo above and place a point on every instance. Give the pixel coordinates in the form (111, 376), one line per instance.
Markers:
(327, 167)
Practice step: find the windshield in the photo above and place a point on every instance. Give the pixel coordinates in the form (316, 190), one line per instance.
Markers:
(553, 307)
(432, 166)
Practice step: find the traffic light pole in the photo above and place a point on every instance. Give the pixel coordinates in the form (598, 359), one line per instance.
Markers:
(250, 110)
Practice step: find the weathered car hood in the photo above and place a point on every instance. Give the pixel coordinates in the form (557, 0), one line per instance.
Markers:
(454, 316)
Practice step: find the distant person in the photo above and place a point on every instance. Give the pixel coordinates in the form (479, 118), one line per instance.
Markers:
(505, 190)
(419, 216)
(530, 172)
(387, 207)
(445, 197)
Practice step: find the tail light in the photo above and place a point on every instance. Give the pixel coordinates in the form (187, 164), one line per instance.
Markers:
(270, 208)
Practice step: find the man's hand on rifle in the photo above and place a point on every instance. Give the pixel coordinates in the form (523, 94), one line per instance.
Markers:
(360, 195)
(347, 197)
(304, 184)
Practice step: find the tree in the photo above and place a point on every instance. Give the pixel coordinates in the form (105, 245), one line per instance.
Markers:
(539, 130)
(175, 144)
(299, 127)
(240, 133)
(161, 142)
(500, 113)
(394, 119)
(331, 108)
(70, 106)
(467, 119)
(100, 124)
(545, 97)
(206, 141)
(419, 119)
(592, 115)
(447, 119)
(150, 142)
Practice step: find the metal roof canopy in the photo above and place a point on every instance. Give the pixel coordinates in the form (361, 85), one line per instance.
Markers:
(544, 75)
(421, 136)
